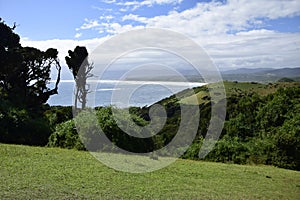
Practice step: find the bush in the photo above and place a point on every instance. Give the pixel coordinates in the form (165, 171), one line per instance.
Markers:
(65, 136)
(57, 115)
(193, 151)
(92, 123)
(19, 126)
(129, 123)
(261, 151)
(284, 79)
(287, 144)
(229, 149)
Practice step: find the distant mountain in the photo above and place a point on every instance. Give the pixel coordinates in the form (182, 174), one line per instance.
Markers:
(260, 74)
(241, 75)
(245, 70)
(285, 72)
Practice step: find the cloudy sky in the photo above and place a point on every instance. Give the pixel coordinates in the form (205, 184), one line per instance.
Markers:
(234, 33)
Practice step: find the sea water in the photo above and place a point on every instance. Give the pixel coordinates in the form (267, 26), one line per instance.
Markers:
(121, 93)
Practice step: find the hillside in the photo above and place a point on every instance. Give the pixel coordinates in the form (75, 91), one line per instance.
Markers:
(263, 75)
(260, 74)
(232, 88)
(53, 173)
(283, 72)
(261, 126)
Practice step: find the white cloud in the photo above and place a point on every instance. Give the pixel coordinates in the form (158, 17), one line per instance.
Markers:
(63, 45)
(106, 17)
(123, 9)
(133, 5)
(216, 17)
(135, 18)
(209, 24)
(89, 23)
(255, 48)
(108, 1)
(248, 45)
(116, 28)
(78, 35)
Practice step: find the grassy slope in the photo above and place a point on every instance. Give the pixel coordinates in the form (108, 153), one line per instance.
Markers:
(237, 87)
(52, 173)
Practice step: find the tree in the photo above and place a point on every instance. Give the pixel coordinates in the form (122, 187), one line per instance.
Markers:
(25, 71)
(81, 69)
(24, 78)
(287, 143)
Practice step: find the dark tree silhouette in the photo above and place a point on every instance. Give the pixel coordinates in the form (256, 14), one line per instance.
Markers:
(24, 81)
(78, 63)
(25, 71)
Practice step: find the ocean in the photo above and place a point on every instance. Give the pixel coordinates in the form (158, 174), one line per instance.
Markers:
(121, 93)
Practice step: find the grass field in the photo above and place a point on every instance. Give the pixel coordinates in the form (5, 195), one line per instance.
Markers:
(52, 173)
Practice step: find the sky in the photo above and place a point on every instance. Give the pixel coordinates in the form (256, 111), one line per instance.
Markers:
(234, 33)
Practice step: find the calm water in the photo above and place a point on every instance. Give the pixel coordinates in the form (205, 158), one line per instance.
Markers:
(122, 93)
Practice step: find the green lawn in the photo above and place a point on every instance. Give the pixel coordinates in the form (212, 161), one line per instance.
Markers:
(52, 173)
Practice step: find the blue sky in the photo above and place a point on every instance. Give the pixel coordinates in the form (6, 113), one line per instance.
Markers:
(44, 19)
(235, 33)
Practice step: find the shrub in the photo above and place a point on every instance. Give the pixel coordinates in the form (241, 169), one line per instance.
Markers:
(287, 144)
(58, 114)
(65, 136)
(193, 151)
(19, 126)
(229, 149)
(285, 79)
(261, 151)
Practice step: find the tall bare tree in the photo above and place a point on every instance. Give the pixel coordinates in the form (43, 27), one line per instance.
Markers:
(78, 63)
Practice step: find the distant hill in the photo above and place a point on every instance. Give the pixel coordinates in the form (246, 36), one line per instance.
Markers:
(242, 75)
(245, 71)
(261, 74)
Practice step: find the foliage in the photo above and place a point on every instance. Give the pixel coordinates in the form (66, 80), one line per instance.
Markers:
(287, 142)
(65, 136)
(119, 136)
(92, 124)
(262, 130)
(24, 78)
(194, 149)
(228, 149)
(20, 127)
(258, 129)
(77, 62)
(25, 71)
(286, 80)
(57, 115)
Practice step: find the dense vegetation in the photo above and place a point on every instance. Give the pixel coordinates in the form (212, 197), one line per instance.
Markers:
(24, 78)
(25, 118)
(261, 127)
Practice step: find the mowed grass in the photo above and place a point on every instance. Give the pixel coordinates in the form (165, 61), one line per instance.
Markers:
(53, 173)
